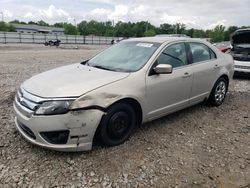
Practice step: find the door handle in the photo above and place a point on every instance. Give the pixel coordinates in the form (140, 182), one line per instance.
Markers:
(216, 66)
(186, 75)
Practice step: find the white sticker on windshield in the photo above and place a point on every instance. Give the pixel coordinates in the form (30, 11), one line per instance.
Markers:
(145, 45)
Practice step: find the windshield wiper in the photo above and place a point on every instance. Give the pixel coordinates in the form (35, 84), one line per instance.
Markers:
(104, 68)
(85, 62)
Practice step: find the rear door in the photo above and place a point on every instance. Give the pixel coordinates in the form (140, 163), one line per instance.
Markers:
(169, 92)
(205, 68)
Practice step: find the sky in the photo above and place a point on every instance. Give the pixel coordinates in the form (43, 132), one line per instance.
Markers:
(194, 13)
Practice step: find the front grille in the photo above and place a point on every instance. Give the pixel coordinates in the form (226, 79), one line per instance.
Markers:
(242, 67)
(24, 111)
(25, 101)
(26, 130)
(241, 58)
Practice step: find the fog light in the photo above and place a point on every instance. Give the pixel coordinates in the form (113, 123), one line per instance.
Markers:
(56, 137)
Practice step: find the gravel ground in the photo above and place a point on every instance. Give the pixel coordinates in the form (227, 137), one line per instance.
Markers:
(197, 147)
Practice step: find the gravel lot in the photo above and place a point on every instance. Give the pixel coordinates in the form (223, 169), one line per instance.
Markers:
(197, 147)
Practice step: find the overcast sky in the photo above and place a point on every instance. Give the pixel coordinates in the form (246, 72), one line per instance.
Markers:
(193, 13)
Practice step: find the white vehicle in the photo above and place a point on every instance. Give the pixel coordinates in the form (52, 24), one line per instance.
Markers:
(240, 41)
(132, 82)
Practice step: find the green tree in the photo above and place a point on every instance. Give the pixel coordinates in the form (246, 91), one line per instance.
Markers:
(167, 29)
(60, 24)
(217, 34)
(149, 33)
(7, 27)
(42, 23)
(15, 21)
(198, 33)
(69, 29)
(229, 32)
(180, 28)
(3, 26)
(83, 28)
(32, 23)
(11, 28)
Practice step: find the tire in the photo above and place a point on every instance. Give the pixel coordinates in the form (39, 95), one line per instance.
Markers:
(46, 44)
(218, 93)
(117, 125)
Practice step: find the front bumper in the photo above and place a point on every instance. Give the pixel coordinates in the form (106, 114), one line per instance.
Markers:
(241, 67)
(80, 124)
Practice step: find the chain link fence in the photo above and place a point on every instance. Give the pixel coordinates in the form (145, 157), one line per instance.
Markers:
(38, 38)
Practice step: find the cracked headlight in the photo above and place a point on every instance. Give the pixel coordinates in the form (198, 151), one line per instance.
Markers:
(53, 107)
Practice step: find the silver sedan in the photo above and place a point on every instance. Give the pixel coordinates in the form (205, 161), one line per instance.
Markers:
(132, 82)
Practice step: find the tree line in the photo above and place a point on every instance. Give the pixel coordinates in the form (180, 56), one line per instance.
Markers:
(130, 29)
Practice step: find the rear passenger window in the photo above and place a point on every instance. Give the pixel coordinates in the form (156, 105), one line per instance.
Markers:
(212, 54)
(201, 52)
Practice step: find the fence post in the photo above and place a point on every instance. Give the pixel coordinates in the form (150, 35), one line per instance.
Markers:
(20, 38)
(66, 39)
(99, 40)
(75, 39)
(106, 40)
(4, 35)
(56, 37)
(44, 38)
(83, 39)
(33, 36)
(92, 40)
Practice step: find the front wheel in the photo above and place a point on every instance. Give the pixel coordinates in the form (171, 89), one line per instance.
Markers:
(219, 92)
(117, 125)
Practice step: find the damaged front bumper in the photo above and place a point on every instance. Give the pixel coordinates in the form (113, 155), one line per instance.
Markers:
(75, 130)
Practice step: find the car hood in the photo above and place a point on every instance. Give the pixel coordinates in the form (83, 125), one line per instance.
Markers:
(70, 81)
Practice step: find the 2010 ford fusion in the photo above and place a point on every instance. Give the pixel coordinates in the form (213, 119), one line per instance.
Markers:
(132, 82)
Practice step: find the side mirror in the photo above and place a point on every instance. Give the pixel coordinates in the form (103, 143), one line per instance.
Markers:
(163, 69)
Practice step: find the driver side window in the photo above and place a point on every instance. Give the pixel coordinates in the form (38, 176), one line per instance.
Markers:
(174, 55)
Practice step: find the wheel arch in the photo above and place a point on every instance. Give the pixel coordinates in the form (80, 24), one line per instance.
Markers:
(136, 106)
(128, 100)
(226, 77)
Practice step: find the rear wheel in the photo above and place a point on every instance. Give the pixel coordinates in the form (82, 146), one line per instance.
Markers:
(219, 92)
(116, 126)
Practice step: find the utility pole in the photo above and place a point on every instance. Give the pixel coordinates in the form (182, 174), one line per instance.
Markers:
(75, 25)
(2, 16)
(113, 23)
(75, 22)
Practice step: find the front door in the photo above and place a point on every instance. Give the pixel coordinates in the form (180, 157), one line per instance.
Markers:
(169, 92)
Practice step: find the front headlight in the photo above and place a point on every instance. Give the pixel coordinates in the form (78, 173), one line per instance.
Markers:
(53, 107)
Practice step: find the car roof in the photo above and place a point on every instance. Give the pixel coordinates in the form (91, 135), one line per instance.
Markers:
(165, 39)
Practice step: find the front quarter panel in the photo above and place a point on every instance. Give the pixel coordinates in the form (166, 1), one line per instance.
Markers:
(131, 87)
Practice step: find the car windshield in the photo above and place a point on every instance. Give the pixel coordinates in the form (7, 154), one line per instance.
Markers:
(127, 56)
